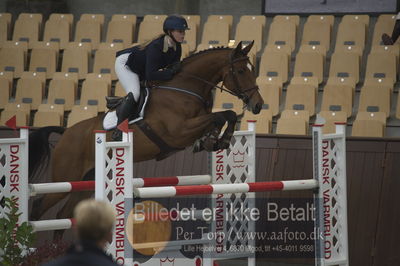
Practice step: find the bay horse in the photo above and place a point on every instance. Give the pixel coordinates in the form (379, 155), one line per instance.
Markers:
(179, 112)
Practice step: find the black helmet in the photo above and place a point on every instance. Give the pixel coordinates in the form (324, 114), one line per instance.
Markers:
(175, 22)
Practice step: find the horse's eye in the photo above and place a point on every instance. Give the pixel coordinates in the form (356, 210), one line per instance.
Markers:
(240, 71)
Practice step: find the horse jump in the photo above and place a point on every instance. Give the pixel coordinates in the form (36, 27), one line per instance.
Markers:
(328, 251)
(122, 152)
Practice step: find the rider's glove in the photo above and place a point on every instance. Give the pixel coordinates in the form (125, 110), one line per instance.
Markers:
(175, 67)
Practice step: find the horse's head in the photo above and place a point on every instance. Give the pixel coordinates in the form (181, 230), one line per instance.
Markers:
(239, 78)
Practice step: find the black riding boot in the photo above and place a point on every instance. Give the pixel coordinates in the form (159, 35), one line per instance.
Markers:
(124, 111)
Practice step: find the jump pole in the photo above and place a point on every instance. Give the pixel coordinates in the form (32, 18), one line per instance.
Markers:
(59, 187)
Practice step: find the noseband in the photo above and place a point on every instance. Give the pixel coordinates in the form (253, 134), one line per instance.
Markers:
(237, 91)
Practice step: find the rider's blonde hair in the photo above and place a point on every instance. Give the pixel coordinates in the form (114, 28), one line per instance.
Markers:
(143, 45)
(94, 220)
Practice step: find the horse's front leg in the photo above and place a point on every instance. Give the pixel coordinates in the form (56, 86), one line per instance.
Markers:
(207, 127)
(231, 118)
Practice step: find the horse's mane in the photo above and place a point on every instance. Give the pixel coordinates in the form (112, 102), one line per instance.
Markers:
(219, 48)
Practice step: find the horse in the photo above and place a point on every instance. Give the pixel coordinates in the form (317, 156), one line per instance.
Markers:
(179, 113)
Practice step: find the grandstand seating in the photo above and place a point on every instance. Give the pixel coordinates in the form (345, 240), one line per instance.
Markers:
(338, 98)
(291, 18)
(5, 27)
(271, 94)
(20, 110)
(317, 33)
(76, 59)
(222, 18)
(345, 65)
(215, 33)
(274, 64)
(330, 19)
(149, 29)
(224, 100)
(5, 92)
(384, 24)
(264, 121)
(157, 18)
(80, 113)
(301, 97)
(119, 90)
(369, 124)
(244, 34)
(30, 89)
(49, 115)
(382, 65)
(13, 58)
(332, 117)
(44, 60)
(293, 122)
(88, 31)
(120, 31)
(350, 34)
(373, 99)
(62, 91)
(21, 117)
(309, 65)
(94, 92)
(104, 59)
(282, 33)
(313, 81)
(58, 30)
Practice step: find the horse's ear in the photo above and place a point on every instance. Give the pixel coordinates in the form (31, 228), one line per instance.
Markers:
(247, 49)
(239, 46)
(238, 49)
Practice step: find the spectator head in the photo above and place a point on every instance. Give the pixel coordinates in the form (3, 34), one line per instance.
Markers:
(94, 220)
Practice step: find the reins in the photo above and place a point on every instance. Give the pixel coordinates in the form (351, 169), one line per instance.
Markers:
(241, 94)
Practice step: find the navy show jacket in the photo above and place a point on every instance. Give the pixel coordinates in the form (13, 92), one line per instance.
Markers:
(149, 63)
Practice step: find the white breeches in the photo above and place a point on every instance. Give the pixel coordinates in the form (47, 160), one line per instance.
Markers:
(129, 79)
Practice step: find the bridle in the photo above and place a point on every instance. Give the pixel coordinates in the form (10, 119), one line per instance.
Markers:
(236, 91)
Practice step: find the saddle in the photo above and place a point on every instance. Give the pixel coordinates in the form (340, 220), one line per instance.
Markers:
(114, 102)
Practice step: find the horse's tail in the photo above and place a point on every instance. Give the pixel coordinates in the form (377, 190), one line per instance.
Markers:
(39, 148)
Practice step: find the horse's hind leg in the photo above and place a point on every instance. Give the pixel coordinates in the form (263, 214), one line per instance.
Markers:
(68, 209)
(41, 205)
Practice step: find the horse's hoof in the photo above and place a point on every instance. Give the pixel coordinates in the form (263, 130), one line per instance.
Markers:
(208, 146)
(198, 146)
(224, 145)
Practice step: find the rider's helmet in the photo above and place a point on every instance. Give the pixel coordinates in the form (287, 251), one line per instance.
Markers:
(175, 22)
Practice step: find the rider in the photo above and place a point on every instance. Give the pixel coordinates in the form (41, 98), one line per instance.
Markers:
(158, 59)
